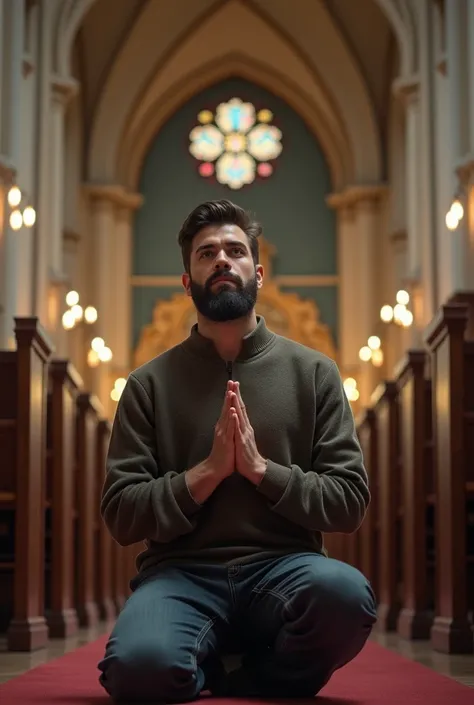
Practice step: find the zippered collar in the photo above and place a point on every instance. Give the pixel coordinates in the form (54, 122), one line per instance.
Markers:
(252, 344)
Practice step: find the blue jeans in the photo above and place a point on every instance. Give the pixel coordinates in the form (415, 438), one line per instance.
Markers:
(296, 619)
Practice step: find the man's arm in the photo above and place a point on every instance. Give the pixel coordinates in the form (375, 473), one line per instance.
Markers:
(139, 500)
(334, 495)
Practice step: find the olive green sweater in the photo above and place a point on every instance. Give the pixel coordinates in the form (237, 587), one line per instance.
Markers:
(315, 480)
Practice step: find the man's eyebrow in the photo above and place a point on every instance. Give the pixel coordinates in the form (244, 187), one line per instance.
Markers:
(230, 243)
(204, 247)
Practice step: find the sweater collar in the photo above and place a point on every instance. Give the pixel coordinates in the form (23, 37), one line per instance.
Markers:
(252, 344)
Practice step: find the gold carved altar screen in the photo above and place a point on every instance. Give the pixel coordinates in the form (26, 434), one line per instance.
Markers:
(285, 313)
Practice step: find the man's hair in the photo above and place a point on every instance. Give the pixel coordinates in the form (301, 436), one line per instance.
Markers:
(217, 213)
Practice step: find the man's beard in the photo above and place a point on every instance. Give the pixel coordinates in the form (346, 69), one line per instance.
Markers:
(229, 302)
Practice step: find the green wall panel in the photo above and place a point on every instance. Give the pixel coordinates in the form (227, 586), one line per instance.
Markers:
(326, 299)
(144, 299)
(290, 204)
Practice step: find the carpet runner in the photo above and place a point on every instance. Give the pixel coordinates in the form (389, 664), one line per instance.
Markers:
(376, 677)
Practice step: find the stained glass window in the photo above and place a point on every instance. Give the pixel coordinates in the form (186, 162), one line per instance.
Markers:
(235, 143)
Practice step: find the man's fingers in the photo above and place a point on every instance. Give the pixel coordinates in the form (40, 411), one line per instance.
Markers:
(232, 425)
(241, 403)
(239, 411)
(225, 406)
(233, 399)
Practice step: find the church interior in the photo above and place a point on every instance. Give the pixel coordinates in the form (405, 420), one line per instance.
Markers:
(347, 128)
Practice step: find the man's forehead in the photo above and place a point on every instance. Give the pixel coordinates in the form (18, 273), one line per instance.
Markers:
(219, 233)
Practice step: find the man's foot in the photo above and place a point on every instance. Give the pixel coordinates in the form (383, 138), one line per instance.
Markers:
(240, 684)
(236, 684)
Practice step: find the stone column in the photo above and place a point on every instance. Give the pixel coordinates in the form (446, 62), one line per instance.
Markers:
(407, 91)
(368, 203)
(122, 288)
(442, 148)
(396, 338)
(347, 246)
(11, 67)
(427, 188)
(462, 160)
(359, 236)
(74, 338)
(457, 69)
(411, 97)
(470, 71)
(42, 166)
(111, 208)
(62, 91)
(12, 14)
(8, 262)
(102, 211)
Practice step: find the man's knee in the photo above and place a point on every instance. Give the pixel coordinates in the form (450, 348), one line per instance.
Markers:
(342, 592)
(148, 671)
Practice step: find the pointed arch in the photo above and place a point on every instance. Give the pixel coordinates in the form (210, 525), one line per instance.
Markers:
(141, 132)
(73, 12)
(71, 16)
(404, 33)
(146, 84)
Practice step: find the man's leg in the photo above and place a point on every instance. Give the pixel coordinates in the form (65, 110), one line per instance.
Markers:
(167, 636)
(310, 614)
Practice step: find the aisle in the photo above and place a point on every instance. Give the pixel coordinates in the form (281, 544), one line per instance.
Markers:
(376, 677)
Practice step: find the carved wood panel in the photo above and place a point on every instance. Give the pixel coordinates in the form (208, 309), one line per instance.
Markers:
(285, 313)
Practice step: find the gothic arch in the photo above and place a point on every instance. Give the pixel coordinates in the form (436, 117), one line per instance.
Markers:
(73, 12)
(141, 132)
(402, 27)
(339, 108)
(71, 15)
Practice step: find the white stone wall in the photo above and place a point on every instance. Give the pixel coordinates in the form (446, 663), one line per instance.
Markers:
(391, 193)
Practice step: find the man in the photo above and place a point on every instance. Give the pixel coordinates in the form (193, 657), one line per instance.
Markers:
(230, 455)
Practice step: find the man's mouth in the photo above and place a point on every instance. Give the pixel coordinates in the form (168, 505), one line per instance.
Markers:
(223, 279)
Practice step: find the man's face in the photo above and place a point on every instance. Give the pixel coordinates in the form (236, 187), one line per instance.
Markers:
(224, 279)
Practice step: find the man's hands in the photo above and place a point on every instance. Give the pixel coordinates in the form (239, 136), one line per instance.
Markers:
(205, 478)
(222, 456)
(233, 449)
(234, 445)
(248, 461)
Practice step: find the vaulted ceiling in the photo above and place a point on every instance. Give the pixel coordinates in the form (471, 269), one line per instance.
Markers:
(356, 33)
(362, 24)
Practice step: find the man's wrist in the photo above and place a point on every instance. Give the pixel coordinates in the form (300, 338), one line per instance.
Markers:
(202, 481)
(258, 472)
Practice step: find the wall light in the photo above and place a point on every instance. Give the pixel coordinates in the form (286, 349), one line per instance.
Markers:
(455, 214)
(350, 388)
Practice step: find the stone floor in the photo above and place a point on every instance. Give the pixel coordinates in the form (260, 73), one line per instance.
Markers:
(460, 668)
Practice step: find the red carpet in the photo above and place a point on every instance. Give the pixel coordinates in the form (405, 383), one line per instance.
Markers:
(375, 677)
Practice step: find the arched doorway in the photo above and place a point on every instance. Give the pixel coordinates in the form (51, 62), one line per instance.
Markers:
(299, 228)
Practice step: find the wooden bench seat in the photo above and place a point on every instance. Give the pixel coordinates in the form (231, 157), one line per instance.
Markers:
(23, 384)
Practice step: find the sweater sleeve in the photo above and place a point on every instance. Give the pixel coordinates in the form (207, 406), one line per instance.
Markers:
(333, 495)
(140, 500)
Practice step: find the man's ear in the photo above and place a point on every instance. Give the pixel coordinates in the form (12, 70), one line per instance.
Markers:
(259, 274)
(186, 281)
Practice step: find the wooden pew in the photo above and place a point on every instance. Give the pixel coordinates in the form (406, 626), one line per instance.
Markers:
(64, 387)
(118, 579)
(369, 531)
(119, 582)
(414, 390)
(469, 467)
(105, 581)
(23, 399)
(452, 358)
(336, 546)
(389, 496)
(89, 413)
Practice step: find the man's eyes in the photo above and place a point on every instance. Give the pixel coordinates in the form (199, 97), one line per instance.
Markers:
(234, 250)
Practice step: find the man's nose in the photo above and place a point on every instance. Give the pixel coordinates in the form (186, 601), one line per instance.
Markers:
(221, 261)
